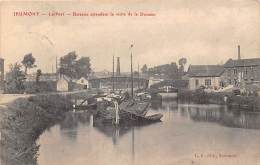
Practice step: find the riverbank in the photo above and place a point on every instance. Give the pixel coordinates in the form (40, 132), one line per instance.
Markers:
(251, 103)
(23, 120)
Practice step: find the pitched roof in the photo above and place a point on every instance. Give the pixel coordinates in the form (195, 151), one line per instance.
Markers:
(242, 62)
(205, 70)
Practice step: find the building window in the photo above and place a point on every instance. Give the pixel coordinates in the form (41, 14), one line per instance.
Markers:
(245, 71)
(229, 72)
(207, 82)
(197, 82)
(235, 71)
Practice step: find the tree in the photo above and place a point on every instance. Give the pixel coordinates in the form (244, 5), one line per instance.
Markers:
(182, 63)
(67, 64)
(73, 68)
(28, 62)
(144, 69)
(15, 78)
(135, 73)
(168, 71)
(38, 74)
(83, 67)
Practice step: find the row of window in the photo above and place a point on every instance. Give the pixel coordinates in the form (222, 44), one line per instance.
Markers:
(207, 82)
(245, 71)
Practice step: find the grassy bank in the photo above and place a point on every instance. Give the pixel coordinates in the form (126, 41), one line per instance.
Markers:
(23, 121)
(251, 103)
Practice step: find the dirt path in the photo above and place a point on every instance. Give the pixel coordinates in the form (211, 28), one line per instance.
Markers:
(7, 98)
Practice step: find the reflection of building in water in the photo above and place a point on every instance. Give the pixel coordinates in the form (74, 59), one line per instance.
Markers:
(230, 118)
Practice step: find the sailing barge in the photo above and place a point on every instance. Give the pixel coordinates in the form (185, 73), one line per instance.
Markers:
(129, 112)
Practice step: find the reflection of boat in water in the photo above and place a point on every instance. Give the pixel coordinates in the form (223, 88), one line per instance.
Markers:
(129, 112)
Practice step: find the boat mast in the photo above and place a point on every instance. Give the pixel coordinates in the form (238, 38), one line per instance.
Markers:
(113, 74)
(132, 81)
(138, 77)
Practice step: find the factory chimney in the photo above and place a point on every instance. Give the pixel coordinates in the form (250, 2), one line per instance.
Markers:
(238, 55)
(118, 67)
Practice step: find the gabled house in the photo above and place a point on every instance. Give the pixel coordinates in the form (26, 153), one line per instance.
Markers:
(82, 83)
(65, 83)
(208, 76)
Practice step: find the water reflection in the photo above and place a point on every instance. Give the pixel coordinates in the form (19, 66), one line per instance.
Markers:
(224, 116)
(157, 144)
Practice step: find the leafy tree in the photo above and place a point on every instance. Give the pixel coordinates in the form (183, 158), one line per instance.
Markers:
(83, 67)
(169, 71)
(67, 64)
(182, 63)
(144, 69)
(15, 79)
(73, 68)
(28, 62)
(135, 73)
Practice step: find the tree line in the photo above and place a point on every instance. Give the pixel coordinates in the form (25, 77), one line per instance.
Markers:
(169, 71)
(70, 65)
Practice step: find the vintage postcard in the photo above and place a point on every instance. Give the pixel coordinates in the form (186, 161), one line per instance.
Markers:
(134, 82)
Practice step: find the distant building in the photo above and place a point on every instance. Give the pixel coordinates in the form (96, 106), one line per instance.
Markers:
(82, 83)
(120, 82)
(65, 84)
(241, 71)
(49, 82)
(208, 76)
(1, 74)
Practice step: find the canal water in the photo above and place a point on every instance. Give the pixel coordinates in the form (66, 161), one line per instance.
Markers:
(188, 134)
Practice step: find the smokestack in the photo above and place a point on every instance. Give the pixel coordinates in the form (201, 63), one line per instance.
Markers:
(118, 67)
(238, 49)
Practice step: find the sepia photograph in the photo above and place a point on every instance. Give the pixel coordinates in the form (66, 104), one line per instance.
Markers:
(134, 82)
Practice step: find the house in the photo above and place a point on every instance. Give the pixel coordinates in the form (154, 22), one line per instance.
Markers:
(82, 83)
(241, 71)
(65, 84)
(208, 76)
(49, 82)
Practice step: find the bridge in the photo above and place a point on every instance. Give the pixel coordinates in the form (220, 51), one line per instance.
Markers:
(120, 82)
(178, 84)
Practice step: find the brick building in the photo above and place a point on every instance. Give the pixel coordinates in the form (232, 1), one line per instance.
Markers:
(241, 71)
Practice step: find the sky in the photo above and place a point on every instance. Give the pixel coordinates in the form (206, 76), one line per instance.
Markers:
(203, 31)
